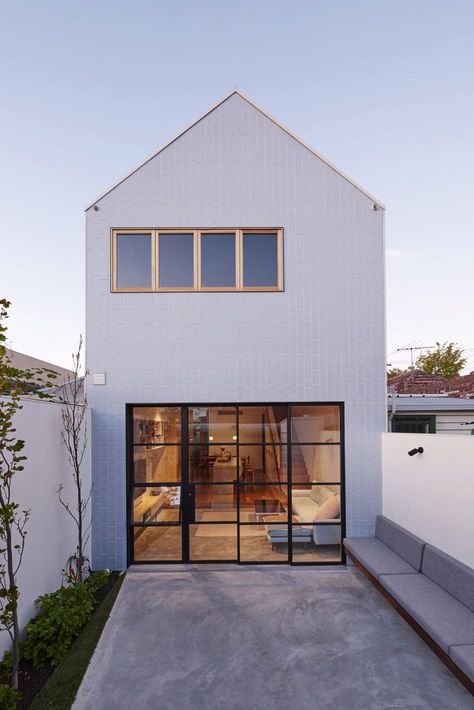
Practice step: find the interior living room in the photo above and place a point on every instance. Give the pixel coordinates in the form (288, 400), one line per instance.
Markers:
(248, 483)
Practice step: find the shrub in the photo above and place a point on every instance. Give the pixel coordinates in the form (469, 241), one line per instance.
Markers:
(97, 580)
(6, 668)
(8, 697)
(62, 614)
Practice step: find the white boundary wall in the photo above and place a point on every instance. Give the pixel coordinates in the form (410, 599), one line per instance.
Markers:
(432, 494)
(51, 537)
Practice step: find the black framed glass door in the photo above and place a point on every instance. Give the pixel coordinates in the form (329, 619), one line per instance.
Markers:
(248, 483)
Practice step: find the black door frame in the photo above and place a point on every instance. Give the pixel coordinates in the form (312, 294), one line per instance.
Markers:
(187, 488)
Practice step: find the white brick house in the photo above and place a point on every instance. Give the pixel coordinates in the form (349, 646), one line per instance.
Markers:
(234, 274)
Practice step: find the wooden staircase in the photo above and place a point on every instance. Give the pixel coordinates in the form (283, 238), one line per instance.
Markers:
(299, 472)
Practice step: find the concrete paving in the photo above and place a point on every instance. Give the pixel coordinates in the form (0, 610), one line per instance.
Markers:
(251, 638)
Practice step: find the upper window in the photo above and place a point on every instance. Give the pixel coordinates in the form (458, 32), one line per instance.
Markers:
(197, 260)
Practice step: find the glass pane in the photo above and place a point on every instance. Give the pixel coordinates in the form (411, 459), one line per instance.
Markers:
(176, 259)
(215, 503)
(260, 259)
(218, 260)
(262, 463)
(156, 505)
(213, 542)
(213, 464)
(212, 424)
(315, 464)
(264, 543)
(263, 423)
(157, 463)
(320, 422)
(325, 544)
(263, 504)
(133, 260)
(318, 503)
(157, 544)
(156, 425)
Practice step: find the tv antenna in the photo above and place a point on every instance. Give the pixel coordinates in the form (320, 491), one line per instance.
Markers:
(420, 347)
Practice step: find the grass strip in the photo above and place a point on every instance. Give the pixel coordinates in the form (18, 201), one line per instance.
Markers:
(61, 687)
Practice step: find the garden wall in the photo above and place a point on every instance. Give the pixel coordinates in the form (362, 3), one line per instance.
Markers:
(51, 535)
(431, 494)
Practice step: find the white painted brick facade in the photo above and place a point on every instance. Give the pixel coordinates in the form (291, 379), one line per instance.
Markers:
(322, 339)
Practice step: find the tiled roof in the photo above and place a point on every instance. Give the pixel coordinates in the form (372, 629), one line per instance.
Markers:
(419, 382)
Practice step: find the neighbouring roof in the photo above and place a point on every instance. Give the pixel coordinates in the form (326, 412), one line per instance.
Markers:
(419, 382)
(27, 362)
(430, 403)
(252, 103)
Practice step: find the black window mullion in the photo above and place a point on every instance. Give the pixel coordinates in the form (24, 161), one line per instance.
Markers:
(186, 499)
(290, 487)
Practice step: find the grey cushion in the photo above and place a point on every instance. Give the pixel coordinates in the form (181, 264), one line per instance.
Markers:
(452, 575)
(445, 619)
(463, 656)
(377, 557)
(408, 546)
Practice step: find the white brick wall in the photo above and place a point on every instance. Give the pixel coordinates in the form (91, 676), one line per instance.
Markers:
(321, 339)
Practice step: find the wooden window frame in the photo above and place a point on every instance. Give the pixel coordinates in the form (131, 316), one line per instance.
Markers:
(197, 234)
(113, 273)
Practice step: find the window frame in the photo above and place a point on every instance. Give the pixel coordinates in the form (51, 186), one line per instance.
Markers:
(114, 263)
(197, 235)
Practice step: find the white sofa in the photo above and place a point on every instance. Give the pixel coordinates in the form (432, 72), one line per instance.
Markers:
(306, 504)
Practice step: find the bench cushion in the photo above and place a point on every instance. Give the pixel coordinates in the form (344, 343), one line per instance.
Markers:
(455, 577)
(408, 546)
(443, 617)
(463, 656)
(376, 557)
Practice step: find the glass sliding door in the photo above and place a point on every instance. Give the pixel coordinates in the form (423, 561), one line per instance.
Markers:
(260, 483)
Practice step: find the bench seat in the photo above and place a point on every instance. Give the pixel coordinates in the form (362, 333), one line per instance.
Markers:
(463, 657)
(444, 618)
(377, 557)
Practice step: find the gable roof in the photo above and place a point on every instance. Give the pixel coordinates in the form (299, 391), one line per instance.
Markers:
(258, 108)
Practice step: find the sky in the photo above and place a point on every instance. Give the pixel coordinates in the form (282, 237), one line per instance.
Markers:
(384, 89)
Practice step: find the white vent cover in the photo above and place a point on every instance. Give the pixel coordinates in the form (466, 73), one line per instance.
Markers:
(98, 378)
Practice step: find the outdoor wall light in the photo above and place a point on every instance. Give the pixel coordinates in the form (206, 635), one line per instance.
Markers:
(419, 450)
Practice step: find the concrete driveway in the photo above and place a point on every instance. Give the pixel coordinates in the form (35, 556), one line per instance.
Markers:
(257, 638)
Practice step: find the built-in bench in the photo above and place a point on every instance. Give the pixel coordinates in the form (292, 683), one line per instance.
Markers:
(431, 590)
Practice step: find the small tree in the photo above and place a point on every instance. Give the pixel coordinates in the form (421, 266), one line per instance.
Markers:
(13, 520)
(446, 360)
(74, 436)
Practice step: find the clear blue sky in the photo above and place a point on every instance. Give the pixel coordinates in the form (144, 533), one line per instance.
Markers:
(384, 89)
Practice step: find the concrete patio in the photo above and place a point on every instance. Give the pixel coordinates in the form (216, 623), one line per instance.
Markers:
(261, 637)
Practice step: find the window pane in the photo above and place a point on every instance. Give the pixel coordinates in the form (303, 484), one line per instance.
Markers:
(315, 463)
(218, 260)
(156, 463)
(324, 546)
(213, 541)
(263, 423)
(260, 260)
(262, 463)
(268, 543)
(156, 505)
(213, 464)
(318, 422)
(212, 424)
(155, 544)
(215, 503)
(133, 260)
(263, 504)
(317, 504)
(176, 258)
(156, 425)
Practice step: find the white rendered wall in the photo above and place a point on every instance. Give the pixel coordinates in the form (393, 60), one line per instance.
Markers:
(431, 494)
(51, 537)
